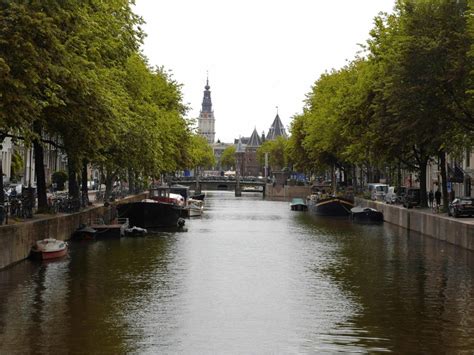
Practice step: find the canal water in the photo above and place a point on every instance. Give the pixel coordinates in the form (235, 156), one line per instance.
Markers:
(250, 276)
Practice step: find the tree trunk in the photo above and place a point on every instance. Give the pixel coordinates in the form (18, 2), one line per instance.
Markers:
(131, 181)
(399, 175)
(423, 195)
(2, 191)
(72, 178)
(139, 183)
(333, 178)
(354, 178)
(39, 167)
(3, 212)
(109, 181)
(444, 178)
(85, 189)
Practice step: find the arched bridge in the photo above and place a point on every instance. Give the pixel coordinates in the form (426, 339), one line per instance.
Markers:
(223, 184)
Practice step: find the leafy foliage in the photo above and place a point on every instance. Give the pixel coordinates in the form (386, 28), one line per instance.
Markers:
(403, 103)
(277, 153)
(228, 157)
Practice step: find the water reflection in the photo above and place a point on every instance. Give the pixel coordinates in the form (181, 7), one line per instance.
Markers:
(415, 292)
(249, 276)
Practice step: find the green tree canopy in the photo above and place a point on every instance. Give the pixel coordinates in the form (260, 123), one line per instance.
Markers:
(277, 153)
(228, 157)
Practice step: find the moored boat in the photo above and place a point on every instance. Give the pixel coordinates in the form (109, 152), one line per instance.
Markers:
(195, 207)
(135, 231)
(298, 204)
(49, 248)
(161, 209)
(366, 215)
(198, 197)
(84, 232)
(330, 206)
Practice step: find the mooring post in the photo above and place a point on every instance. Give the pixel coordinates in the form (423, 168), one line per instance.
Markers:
(238, 190)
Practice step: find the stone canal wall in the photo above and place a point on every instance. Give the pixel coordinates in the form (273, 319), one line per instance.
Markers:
(285, 192)
(17, 239)
(455, 231)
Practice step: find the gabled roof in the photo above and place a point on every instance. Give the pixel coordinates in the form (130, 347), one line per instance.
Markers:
(276, 129)
(255, 140)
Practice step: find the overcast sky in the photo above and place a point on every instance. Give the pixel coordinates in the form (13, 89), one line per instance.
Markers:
(259, 53)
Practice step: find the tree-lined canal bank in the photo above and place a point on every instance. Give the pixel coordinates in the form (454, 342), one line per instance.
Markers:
(249, 276)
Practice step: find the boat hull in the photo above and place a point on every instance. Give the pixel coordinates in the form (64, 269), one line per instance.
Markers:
(53, 254)
(195, 212)
(150, 214)
(299, 207)
(49, 248)
(331, 207)
(368, 217)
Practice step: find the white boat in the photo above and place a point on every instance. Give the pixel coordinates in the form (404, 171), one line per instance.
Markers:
(135, 231)
(50, 248)
(195, 207)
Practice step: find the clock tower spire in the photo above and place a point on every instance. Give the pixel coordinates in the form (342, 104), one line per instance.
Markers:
(206, 120)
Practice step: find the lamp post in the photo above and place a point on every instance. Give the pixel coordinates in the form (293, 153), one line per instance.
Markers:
(239, 152)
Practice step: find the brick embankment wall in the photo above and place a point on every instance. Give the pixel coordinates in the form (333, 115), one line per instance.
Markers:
(16, 240)
(455, 231)
(286, 192)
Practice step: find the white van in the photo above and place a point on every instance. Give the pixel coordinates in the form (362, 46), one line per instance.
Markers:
(391, 196)
(377, 191)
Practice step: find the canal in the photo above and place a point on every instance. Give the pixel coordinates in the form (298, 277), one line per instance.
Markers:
(250, 276)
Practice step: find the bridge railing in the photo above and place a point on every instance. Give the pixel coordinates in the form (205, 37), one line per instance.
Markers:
(219, 179)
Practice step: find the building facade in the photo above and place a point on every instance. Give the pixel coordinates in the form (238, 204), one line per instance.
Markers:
(218, 148)
(206, 120)
(249, 145)
(252, 166)
(54, 160)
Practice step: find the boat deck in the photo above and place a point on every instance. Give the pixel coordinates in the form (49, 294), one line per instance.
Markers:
(111, 230)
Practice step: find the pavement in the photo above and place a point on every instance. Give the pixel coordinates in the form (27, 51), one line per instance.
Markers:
(39, 216)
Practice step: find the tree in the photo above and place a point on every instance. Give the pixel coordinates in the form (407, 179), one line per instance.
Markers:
(30, 46)
(228, 157)
(201, 152)
(277, 153)
(421, 54)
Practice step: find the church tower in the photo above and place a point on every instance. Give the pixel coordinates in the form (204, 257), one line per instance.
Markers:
(206, 118)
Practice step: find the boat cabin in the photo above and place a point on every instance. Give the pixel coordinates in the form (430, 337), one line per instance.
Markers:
(175, 194)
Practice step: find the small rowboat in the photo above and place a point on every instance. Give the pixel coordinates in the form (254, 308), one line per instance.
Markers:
(49, 248)
(297, 204)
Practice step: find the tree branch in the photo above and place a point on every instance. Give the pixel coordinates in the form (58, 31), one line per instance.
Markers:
(4, 135)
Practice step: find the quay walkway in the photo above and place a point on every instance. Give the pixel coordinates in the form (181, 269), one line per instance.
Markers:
(457, 231)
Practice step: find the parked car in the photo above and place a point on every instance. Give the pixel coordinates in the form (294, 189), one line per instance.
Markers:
(377, 191)
(401, 192)
(411, 198)
(463, 206)
(391, 196)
